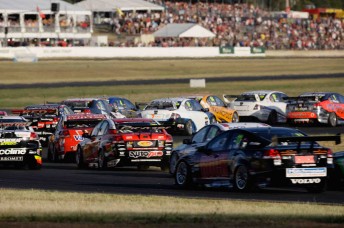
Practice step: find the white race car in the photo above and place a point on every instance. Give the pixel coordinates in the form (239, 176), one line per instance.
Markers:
(262, 105)
(181, 115)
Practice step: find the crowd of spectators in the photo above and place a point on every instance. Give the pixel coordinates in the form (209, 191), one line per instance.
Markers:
(241, 25)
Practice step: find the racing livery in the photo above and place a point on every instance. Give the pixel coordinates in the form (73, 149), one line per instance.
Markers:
(203, 136)
(69, 132)
(259, 157)
(181, 115)
(222, 113)
(125, 142)
(262, 105)
(324, 108)
(44, 118)
(124, 106)
(19, 144)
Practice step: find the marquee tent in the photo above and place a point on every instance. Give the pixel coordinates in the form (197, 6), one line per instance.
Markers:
(184, 30)
(113, 5)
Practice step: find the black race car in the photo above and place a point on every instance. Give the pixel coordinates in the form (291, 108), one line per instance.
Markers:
(258, 157)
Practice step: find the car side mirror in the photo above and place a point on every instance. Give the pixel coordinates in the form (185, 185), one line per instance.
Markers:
(187, 141)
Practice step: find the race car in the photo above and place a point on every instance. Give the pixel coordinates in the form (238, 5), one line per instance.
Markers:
(44, 118)
(125, 142)
(222, 113)
(19, 144)
(203, 136)
(92, 105)
(124, 106)
(180, 115)
(262, 157)
(262, 105)
(324, 108)
(69, 132)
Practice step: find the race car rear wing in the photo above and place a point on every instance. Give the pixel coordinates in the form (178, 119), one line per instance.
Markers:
(302, 99)
(312, 139)
(16, 124)
(229, 98)
(38, 112)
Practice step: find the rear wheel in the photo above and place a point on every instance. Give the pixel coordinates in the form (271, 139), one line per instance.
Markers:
(188, 128)
(332, 119)
(33, 164)
(272, 120)
(50, 156)
(241, 178)
(79, 158)
(183, 175)
(101, 160)
(235, 118)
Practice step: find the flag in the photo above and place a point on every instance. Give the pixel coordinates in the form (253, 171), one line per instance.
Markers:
(41, 14)
(120, 12)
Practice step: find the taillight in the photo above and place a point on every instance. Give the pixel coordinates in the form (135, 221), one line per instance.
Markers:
(256, 107)
(175, 116)
(316, 105)
(169, 138)
(33, 136)
(112, 131)
(329, 156)
(55, 120)
(117, 138)
(273, 154)
(87, 111)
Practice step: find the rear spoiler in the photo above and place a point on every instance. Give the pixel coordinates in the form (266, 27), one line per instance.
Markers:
(141, 105)
(34, 111)
(138, 126)
(229, 98)
(303, 98)
(312, 139)
(16, 124)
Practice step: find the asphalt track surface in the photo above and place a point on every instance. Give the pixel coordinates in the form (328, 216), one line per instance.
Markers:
(167, 81)
(128, 180)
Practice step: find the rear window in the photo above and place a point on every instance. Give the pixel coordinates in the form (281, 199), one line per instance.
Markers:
(160, 105)
(77, 104)
(250, 97)
(139, 127)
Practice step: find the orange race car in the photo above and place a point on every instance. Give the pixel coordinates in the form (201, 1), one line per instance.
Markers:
(222, 113)
(69, 132)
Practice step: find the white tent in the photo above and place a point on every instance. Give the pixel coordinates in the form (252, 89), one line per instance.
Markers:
(113, 5)
(30, 6)
(184, 30)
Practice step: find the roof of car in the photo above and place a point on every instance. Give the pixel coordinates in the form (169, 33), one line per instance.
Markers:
(316, 93)
(133, 120)
(82, 99)
(171, 99)
(261, 92)
(241, 125)
(43, 106)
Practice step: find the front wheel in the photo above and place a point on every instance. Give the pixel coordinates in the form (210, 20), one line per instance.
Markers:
(183, 175)
(173, 163)
(241, 178)
(332, 119)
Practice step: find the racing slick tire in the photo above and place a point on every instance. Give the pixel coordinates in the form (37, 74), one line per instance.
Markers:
(272, 119)
(188, 128)
(173, 163)
(235, 118)
(102, 163)
(79, 159)
(241, 179)
(32, 164)
(143, 167)
(182, 177)
(50, 155)
(332, 119)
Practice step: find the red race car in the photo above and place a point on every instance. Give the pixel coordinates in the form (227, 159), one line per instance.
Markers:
(69, 132)
(44, 118)
(325, 108)
(126, 142)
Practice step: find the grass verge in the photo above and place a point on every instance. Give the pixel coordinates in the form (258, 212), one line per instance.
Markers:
(67, 207)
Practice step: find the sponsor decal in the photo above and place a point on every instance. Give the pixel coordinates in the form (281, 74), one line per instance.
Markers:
(11, 158)
(9, 140)
(306, 172)
(13, 151)
(8, 143)
(145, 154)
(306, 181)
(78, 138)
(145, 143)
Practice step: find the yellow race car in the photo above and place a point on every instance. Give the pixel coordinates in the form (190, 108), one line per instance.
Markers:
(222, 113)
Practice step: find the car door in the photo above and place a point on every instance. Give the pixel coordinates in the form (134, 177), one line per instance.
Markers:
(213, 162)
(195, 113)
